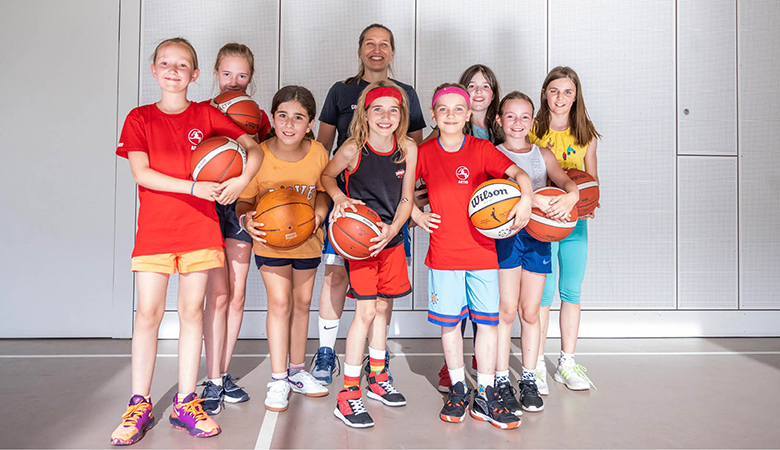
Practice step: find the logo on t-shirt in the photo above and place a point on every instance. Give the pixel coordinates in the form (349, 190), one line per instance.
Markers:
(400, 173)
(462, 173)
(195, 136)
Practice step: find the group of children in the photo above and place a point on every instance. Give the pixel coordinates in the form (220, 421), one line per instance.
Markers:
(379, 156)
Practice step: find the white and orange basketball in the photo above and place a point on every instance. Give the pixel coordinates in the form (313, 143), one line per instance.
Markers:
(544, 229)
(490, 205)
(589, 191)
(351, 234)
(217, 159)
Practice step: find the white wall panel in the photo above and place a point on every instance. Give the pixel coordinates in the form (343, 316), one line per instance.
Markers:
(707, 233)
(58, 137)
(631, 100)
(706, 77)
(759, 134)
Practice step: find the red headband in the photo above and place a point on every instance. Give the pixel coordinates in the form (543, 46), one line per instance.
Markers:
(383, 92)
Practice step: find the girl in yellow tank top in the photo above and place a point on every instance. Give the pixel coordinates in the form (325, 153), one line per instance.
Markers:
(563, 145)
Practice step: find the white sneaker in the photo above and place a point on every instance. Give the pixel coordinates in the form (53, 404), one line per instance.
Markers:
(304, 383)
(572, 375)
(541, 378)
(276, 399)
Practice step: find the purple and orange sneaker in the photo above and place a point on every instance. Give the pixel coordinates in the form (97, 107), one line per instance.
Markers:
(135, 422)
(189, 415)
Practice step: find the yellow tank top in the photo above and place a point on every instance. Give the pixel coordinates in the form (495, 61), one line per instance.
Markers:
(564, 147)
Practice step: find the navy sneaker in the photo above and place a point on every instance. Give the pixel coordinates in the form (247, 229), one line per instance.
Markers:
(457, 403)
(212, 398)
(324, 363)
(231, 392)
(529, 396)
(367, 367)
(507, 394)
(491, 409)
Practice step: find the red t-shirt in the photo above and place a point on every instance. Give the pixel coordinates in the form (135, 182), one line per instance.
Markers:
(265, 124)
(451, 179)
(169, 222)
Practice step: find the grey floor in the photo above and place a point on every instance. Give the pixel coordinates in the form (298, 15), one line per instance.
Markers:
(652, 393)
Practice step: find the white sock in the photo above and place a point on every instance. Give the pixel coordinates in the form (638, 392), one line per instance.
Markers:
(529, 374)
(217, 381)
(376, 354)
(484, 380)
(457, 375)
(566, 357)
(502, 376)
(329, 331)
(279, 376)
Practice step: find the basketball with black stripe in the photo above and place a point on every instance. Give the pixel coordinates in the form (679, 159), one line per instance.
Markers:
(490, 205)
(589, 191)
(287, 218)
(351, 234)
(544, 229)
(217, 159)
(241, 108)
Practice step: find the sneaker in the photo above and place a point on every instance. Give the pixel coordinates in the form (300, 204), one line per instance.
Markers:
(507, 393)
(231, 392)
(541, 379)
(350, 409)
(457, 404)
(212, 398)
(323, 364)
(303, 383)
(572, 375)
(276, 398)
(367, 367)
(189, 415)
(529, 396)
(444, 379)
(135, 422)
(491, 409)
(474, 370)
(381, 388)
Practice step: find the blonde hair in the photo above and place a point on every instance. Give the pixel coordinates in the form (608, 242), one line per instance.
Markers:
(581, 128)
(179, 41)
(241, 51)
(358, 128)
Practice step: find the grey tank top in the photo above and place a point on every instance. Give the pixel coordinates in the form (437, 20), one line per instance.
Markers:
(532, 163)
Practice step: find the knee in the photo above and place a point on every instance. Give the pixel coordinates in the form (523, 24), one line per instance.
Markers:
(366, 314)
(381, 307)
(337, 277)
(149, 317)
(237, 301)
(190, 313)
(530, 316)
(303, 303)
(279, 307)
(571, 296)
(507, 312)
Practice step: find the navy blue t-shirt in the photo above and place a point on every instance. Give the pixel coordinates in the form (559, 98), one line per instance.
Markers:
(342, 100)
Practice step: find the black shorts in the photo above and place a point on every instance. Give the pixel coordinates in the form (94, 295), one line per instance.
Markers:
(298, 264)
(228, 223)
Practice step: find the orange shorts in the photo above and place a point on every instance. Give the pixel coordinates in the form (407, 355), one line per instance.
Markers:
(384, 275)
(182, 262)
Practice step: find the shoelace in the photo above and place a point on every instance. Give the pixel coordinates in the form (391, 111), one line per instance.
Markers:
(212, 390)
(194, 408)
(357, 406)
(275, 387)
(134, 413)
(228, 382)
(457, 399)
(496, 403)
(389, 388)
(578, 370)
(325, 361)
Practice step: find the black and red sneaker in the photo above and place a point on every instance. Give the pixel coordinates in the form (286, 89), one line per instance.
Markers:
(457, 404)
(490, 408)
(379, 388)
(350, 409)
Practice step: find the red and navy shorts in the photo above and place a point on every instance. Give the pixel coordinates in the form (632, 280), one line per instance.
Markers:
(384, 275)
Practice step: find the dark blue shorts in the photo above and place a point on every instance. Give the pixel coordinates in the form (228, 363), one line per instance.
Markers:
(298, 264)
(522, 250)
(228, 223)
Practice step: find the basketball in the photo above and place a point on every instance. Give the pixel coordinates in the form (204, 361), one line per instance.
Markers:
(490, 205)
(351, 234)
(589, 191)
(544, 229)
(217, 159)
(287, 218)
(241, 108)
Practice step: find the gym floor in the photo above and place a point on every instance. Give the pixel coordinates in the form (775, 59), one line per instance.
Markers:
(652, 393)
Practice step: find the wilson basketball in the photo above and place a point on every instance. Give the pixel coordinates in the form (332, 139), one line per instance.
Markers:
(217, 159)
(589, 191)
(351, 234)
(544, 229)
(287, 218)
(241, 108)
(490, 205)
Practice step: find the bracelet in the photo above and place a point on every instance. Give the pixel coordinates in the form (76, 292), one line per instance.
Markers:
(192, 189)
(241, 223)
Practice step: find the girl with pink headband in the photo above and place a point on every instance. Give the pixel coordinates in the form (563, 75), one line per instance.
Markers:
(379, 162)
(462, 263)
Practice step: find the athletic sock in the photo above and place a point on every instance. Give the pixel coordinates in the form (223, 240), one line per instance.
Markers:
(376, 359)
(180, 397)
(328, 331)
(457, 375)
(566, 356)
(279, 376)
(502, 376)
(292, 369)
(484, 380)
(529, 374)
(216, 381)
(351, 375)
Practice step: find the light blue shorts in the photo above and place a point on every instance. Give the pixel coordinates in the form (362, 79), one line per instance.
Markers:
(455, 294)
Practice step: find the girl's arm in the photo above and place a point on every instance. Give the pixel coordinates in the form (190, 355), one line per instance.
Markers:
(557, 208)
(245, 207)
(404, 208)
(522, 210)
(344, 158)
(232, 188)
(321, 205)
(417, 136)
(326, 135)
(149, 178)
(591, 166)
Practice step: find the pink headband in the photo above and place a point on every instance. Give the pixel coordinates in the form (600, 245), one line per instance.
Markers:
(383, 92)
(451, 90)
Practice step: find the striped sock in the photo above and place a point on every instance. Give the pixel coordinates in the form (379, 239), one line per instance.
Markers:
(376, 359)
(292, 369)
(278, 376)
(351, 376)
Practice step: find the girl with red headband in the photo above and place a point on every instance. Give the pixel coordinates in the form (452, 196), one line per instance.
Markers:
(379, 163)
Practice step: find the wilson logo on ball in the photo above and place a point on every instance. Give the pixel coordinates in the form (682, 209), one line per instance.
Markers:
(490, 206)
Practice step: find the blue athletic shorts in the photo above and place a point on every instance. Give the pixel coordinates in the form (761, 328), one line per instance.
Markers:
(522, 250)
(455, 294)
(298, 264)
(228, 223)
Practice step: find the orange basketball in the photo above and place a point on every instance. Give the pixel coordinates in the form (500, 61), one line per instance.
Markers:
(589, 191)
(544, 229)
(490, 205)
(241, 108)
(217, 159)
(287, 218)
(351, 234)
